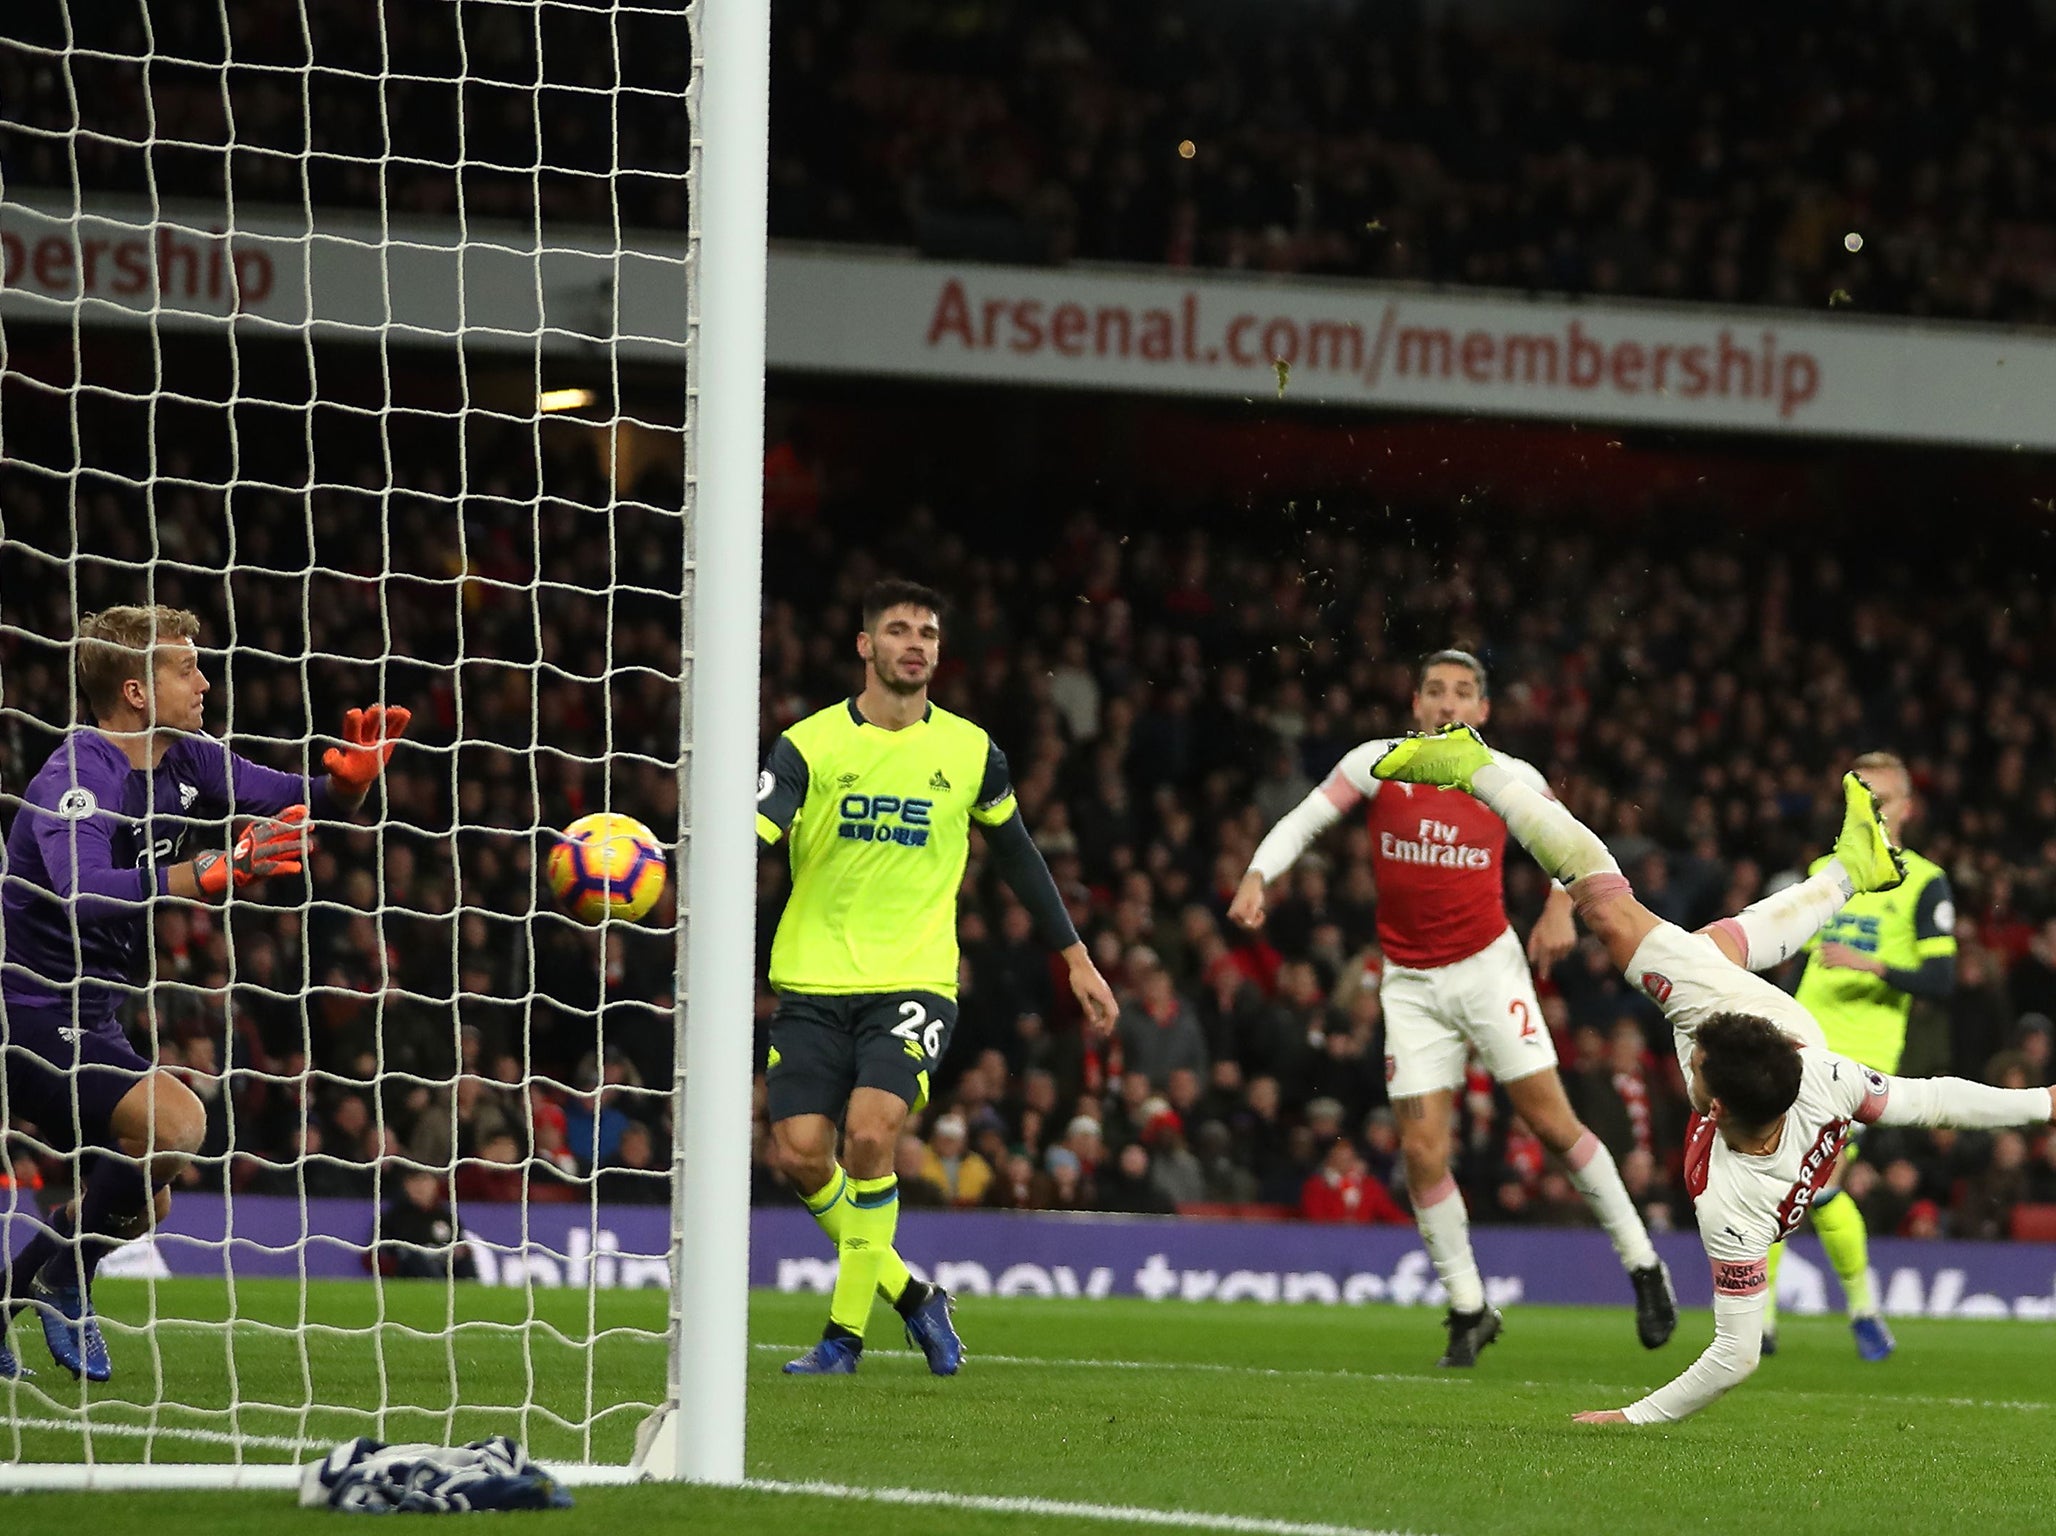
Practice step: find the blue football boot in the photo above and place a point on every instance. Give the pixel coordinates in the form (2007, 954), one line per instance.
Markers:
(71, 1330)
(931, 1331)
(830, 1357)
(1874, 1340)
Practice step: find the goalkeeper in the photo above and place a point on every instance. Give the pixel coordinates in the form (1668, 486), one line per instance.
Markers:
(877, 794)
(101, 831)
(1863, 971)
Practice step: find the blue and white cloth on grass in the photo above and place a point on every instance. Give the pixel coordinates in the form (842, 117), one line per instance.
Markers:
(366, 1476)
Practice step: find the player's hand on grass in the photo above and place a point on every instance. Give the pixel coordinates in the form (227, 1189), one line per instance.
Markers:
(275, 846)
(1247, 909)
(369, 736)
(1601, 1416)
(1094, 996)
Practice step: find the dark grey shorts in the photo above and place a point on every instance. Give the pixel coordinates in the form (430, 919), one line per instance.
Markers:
(823, 1048)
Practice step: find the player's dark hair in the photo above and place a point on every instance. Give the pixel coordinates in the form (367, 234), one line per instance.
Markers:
(1453, 658)
(1750, 1065)
(896, 593)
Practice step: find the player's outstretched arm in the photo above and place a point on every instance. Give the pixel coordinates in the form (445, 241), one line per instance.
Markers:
(1738, 1297)
(1347, 786)
(1955, 1103)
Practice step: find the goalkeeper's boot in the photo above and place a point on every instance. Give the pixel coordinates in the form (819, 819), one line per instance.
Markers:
(836, 1356)
(1447, 757)
(1469, 1332)
(1865, 847)
(71, 1329)
(1770, 1342)
(1656, 1305)
(930, 1330)
(11, 1368)
(1874, 1341)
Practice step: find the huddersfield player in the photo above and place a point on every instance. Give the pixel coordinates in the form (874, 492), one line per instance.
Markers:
(1863, 971)
(876, 794)
(1773, 1104)
(99, 836)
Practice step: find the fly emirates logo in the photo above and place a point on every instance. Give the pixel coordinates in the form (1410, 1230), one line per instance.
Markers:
(1434, 843)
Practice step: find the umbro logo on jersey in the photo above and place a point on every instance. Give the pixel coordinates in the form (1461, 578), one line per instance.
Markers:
(938, 782)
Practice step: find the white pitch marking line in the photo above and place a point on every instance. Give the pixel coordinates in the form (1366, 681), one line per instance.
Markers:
(2008, 1405)
(1126, 1514)
(173, 1432)
(1162, 1365)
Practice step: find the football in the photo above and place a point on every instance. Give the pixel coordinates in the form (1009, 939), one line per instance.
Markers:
(606, 866)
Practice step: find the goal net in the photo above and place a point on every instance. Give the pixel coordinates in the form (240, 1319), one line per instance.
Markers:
(361, 333)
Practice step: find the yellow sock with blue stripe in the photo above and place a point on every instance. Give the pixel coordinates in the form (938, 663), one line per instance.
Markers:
(829, 1205)
(869, 1220)
(1846, 1237)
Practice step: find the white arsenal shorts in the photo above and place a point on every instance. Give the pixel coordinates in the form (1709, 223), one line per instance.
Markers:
(1687, 976)
(1435, 1019)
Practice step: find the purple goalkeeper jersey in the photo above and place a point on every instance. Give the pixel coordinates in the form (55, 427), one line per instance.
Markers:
(90, 844)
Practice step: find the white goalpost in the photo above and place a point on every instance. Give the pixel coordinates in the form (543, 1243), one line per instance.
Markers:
(425, 364)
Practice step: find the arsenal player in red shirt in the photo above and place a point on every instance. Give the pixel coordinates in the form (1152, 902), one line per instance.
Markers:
(1456, 982)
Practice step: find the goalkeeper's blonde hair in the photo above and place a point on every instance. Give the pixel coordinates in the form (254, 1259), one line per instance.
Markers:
(117, 644)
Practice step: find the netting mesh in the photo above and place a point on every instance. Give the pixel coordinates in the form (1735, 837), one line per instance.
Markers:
(438, 1111)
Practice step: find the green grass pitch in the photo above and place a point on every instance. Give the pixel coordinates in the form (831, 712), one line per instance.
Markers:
(1307, 1415)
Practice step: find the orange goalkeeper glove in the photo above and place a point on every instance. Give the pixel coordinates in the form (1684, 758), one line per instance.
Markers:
(369, 736)
(274, 847)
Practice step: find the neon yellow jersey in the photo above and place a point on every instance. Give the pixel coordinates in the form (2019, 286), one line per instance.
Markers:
(880, 827)
(1864, 1016)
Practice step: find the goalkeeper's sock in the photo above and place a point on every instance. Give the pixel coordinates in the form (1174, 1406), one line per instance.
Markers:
(1564, 846)
(1770, 1287)
(1776, 928)
(1446, 1233)
(868, 1226)
(1838, 1220)
(38, 1251)
(114, 1208)
(829, 1206)
(1598, 1178)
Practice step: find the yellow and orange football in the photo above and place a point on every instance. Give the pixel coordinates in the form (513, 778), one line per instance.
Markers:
(606, 866)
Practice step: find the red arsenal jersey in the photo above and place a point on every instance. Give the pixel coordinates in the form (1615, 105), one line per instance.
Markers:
(1439, 858)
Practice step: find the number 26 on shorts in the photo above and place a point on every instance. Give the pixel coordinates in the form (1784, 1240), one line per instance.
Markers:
(922, 1034)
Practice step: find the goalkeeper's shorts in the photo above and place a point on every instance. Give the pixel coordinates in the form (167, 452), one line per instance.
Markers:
(823, 1048)
(63, 1077)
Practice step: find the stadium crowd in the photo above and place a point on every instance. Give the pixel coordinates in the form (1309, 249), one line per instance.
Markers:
(1668, 153)
(1163, 693)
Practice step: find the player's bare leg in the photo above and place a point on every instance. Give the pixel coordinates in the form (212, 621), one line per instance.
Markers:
(156, 1127)
(1424, 1146)
(1539, 1099)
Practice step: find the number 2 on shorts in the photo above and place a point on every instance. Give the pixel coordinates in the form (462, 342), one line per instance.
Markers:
(1519, 1009)
(910, 1028)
